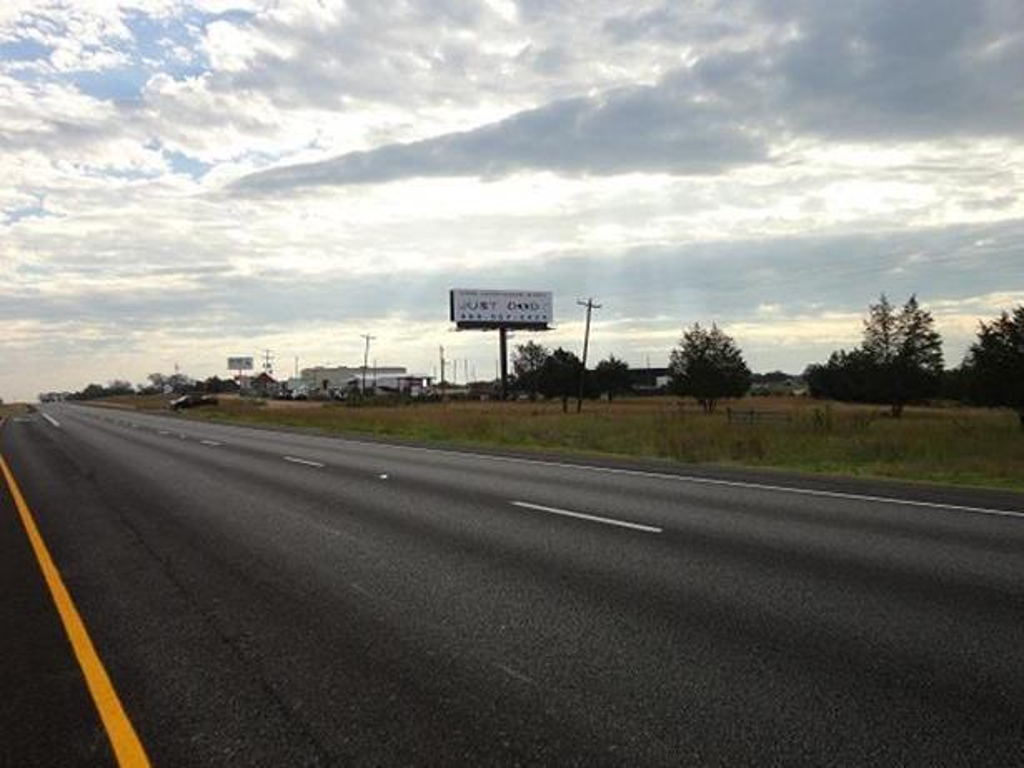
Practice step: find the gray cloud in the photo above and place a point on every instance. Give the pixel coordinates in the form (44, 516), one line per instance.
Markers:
(727, 282)
(366, 50)
(870, 71)
(672, 23)
(878, 69)
(631, 129)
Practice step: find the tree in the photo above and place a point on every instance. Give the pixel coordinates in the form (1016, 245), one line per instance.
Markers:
(527, 364)
(91, 392)
(917, 369)
(956, 384)
(708, 366)
(612, 376)
(119, 387)
(881, 332)
(898, 362)
(215, 385)
(904, 354)
(847, 376)
(995, 363)
(559, 376)
(175, 382)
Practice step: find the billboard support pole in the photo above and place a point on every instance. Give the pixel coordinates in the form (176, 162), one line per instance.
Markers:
(503, 346)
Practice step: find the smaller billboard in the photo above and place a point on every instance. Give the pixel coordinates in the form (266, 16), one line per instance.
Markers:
(473, 308)
(239, 363)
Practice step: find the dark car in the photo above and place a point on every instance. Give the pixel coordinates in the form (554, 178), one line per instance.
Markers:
(192, 401)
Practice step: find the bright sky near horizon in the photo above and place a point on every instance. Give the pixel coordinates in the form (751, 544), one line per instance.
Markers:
(183, 181)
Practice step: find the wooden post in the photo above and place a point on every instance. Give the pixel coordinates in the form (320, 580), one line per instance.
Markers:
(590, 305)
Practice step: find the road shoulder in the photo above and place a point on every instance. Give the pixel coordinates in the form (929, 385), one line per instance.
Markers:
(46, 716)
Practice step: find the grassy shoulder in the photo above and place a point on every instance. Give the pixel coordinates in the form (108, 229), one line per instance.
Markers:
(13, 409)
(955, 445)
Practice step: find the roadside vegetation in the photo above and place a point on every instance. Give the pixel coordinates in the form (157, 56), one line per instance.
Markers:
(888, 408)
(12, 409)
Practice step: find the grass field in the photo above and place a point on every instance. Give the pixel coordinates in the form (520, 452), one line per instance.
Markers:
(12, 409)
(955, 445)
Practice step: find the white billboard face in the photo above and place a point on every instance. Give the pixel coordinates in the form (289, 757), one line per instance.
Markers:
(478, 308)
(239, 363)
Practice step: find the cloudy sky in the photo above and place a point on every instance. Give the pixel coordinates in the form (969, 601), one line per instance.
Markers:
(184, 181)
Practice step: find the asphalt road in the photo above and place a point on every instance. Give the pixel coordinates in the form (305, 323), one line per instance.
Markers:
(265, 598)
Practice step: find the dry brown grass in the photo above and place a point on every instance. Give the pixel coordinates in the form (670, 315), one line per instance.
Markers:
(12, 409)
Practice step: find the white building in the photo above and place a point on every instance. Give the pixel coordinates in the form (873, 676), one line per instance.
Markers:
(342, 377)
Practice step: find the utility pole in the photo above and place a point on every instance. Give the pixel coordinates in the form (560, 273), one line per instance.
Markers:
(591, 306)
(442, 366)
(503, 347)
(366, 356)
(268, 362)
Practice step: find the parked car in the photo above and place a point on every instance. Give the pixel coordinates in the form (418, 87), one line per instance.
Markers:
(192, 401)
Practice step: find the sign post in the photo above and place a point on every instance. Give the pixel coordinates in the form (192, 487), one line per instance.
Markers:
(487, 310)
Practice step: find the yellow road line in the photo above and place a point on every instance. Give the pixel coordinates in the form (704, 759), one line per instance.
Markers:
(127, 748)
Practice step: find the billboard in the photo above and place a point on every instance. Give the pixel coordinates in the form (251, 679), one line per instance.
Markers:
(239, 363)
(471, 308)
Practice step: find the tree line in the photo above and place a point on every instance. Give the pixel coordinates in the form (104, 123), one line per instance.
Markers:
(157, 384)
(707, 365)
(899, 362)
(558, 374)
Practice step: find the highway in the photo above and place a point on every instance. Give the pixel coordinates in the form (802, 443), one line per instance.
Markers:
(273, 599)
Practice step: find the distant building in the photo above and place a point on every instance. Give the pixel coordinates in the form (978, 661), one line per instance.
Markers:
(264, 385)
(777, 383)
(649, 381)
(325, 379)
(413, 385)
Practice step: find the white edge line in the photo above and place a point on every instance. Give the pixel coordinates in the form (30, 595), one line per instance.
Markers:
(514, 674)
(702, 480)
(306, 462)
(212, 443)
(52, 420)
(583, 516)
